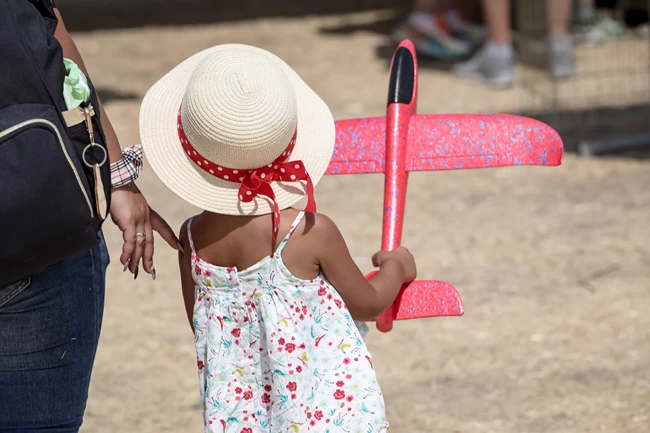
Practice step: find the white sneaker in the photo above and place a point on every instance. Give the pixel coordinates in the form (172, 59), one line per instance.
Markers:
(494, 69)
(562, 58)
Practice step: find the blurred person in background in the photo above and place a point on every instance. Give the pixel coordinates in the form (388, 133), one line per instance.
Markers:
(596, 23)
(440, 30)
(494, 63)
(585, 12)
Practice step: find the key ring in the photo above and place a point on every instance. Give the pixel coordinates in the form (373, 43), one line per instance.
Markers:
(91, 133)
(93, 146)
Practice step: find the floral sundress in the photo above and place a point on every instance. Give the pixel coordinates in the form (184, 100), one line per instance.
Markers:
(279, 354)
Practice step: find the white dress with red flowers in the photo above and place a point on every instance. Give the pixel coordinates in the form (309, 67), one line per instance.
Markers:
(280, 354)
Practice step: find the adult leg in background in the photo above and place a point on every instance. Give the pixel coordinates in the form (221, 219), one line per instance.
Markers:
(562, 58)
(494, 63)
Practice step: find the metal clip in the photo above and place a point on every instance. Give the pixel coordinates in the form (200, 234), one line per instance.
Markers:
(89, 125)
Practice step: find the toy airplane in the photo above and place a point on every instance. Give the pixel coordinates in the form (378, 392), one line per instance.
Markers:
(404, 141)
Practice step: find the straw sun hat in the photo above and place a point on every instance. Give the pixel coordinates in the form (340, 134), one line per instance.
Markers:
(221, 124)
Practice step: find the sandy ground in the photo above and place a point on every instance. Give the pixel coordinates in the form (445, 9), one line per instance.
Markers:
(553, 263)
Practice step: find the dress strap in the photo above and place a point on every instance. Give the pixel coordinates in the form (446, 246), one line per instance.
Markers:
(189, 234)
(291, 230)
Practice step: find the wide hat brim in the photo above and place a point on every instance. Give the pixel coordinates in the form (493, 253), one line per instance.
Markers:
(159, 135)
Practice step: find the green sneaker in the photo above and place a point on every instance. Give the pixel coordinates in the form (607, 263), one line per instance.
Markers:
(605, 29)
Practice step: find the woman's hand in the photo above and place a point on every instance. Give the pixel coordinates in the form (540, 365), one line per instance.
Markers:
(137, 221)
(129, 209)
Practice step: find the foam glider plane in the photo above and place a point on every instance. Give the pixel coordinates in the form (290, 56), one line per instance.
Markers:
(404, 141)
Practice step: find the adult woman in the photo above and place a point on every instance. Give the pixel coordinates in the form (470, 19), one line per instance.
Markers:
(50, 321)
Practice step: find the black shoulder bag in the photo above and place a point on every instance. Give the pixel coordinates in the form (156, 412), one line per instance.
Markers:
(55, 183)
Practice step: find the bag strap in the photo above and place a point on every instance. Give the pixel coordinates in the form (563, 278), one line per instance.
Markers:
(46, 10)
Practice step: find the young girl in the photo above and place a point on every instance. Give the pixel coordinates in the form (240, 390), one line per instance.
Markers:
(271, 292)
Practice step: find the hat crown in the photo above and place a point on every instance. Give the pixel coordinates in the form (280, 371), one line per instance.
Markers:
(239, 109)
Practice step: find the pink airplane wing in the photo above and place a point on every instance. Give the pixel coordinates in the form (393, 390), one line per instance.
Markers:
(424, 298)
(360, 146)
(447, 142)
(462, 141)
(428, 298)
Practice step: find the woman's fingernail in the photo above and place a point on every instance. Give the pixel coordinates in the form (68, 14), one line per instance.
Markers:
(126, 265)
(135, 275)
(153, 273)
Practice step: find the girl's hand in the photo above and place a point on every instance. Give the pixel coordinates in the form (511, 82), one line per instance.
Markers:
(137, 221)
(402, 256)
(366, 300)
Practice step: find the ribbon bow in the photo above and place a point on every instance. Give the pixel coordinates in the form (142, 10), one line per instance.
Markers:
(258, 181)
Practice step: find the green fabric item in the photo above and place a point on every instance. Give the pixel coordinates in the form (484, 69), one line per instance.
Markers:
(75, 86)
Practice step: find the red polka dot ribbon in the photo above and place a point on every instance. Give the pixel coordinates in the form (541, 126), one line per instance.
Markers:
(257, 181)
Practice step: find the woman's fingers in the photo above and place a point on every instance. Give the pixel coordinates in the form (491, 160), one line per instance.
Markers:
(164, 230)
(147, 258)
(139, 240)
(128, 247)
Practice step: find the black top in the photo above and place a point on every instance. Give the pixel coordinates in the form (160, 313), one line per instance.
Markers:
(45, 7)
(50, 4)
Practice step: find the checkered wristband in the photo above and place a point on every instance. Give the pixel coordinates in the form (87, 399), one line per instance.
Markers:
(127, 169)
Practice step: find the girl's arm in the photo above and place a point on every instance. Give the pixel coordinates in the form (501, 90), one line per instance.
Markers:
(366, 300)
(187, 282)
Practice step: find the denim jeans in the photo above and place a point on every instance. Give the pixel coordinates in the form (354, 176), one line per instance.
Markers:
(49, 329)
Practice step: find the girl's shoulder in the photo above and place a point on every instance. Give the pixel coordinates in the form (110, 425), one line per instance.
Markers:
(314, 233)
(185, 232)
(184, 227)
(315, 226)
(324, 227)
